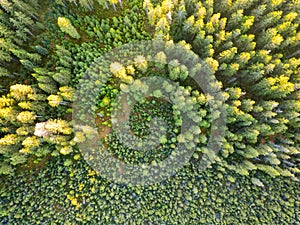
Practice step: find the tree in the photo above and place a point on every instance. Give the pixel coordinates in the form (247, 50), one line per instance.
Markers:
(268, 169)
(27, 21)
(174, 69)
(31, 142)
(227, 55)
(269, 39)
(162, 26)
(86, 4)
(41, 50)
(4, 72)
(63, 77)
(29, 8)
(66, 26)
(58, 126)
(9, 139)
(26, 117)
(49, 88)
(274, 87)
(20, 91)
(55, 100)
(66, 150)
(68, 93)
(118, 69)
(6, 169)
(7, 6)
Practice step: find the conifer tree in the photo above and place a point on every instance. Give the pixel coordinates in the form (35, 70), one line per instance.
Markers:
(246, 45)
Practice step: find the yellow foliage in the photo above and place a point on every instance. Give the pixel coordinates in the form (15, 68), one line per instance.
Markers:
(26, 117)
(74, 201)
(276, 41)
(24, 150)
(66, 150)
(81, 186)
(22, 131)
(167, 6)
(67, 93)
(275, 3)
(141, 62)
(249, 22)
(20, 91)
(79, 137)
(58, 126)
(7, 113)
(290, 16)
(212, 63)
(4, 101)
(9, 139)
(54, 100)
(92, 173)
(185, 45)
(66, 26)
(25, 105)
(63, 22)
(130, 69)
(93, 179)
(105, 101)
(31, 142)
(117, 69)
(245, 56)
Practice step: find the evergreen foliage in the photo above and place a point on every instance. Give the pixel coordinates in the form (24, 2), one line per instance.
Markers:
(244, 45)
(48, 49)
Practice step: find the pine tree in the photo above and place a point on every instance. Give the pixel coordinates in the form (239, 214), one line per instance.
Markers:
(26, 21)
(49, 88)
(6, 5)
(28, 7)
(63, 77)
(274, 87)
(41, 50)
(4, 72)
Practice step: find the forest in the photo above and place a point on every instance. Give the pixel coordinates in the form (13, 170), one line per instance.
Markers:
(150, 112)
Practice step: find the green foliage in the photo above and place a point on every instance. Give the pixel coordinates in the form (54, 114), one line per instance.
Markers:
(250, 46)
(75, 193)
(242, 42)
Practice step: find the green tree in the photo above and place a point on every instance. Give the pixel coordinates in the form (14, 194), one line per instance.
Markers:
(63, 77)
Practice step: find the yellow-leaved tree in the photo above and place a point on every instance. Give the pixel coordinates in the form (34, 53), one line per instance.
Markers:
(66, 26)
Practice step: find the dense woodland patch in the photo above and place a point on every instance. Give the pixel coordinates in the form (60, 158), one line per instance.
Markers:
(47, 53)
